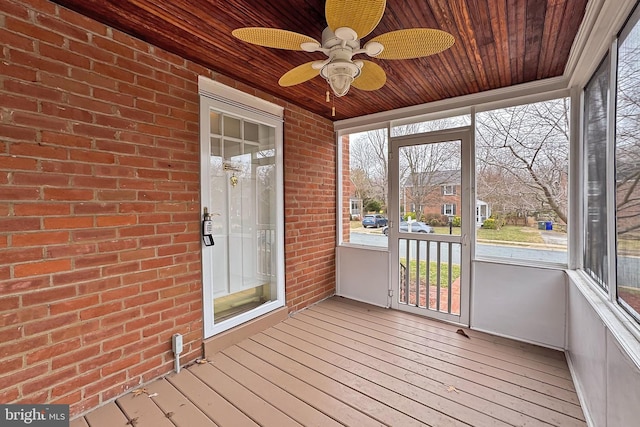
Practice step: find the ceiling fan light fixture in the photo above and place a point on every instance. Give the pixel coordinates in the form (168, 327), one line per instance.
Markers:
(340, 75)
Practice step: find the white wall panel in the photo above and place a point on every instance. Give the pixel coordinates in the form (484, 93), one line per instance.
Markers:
(623, 387)
(603, 353)
(586, 343)
(524, 303)
(363, 274)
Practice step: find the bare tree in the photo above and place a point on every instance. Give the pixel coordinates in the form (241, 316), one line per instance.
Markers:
(368, 154)
(529, 145)
(361, 182)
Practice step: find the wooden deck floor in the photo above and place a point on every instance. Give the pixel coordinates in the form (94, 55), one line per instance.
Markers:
(346, 363)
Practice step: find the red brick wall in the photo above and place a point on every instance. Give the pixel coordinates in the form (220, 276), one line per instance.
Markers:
(434, 200)
(310, 208)
(99, 207)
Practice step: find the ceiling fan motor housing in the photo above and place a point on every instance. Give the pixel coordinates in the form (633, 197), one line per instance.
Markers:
(340, 70)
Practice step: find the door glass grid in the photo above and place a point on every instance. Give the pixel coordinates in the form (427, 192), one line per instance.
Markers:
(243, 205)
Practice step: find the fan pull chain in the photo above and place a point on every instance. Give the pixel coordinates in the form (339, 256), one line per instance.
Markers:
(331, 99)
(333, 106)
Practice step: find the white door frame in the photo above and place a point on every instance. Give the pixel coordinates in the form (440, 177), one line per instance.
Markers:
(224, 99)
(467, 212)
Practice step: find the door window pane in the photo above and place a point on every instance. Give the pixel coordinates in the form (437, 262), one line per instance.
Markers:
(232, 149)
(214, 122)
(430, 179)
(216, 147)
(243, 203)
(231, 127)
(522, 163)
(250, 131)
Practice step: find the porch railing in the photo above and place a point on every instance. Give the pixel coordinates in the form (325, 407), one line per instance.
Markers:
(430, 275)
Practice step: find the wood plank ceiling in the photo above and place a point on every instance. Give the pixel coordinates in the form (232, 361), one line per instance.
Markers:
(499, 43)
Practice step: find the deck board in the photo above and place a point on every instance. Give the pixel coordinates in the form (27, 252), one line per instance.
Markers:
(504, 394)
(423, 348)
(409, 397)
(219, 410)
(548, 362)
(509, 384)
(79, 422)
(496, 359)
(498, 405)
(180, 410)
(108, 415)
(320, 400)
(356, 394)
(296, 408)
(342, 362)
(483, 339)
(241, 397)
(143, 410)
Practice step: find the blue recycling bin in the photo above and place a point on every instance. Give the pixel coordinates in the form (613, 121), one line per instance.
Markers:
(548, 225)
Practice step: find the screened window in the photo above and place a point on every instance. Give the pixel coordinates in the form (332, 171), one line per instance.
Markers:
(365, 171)
(595, 159)
(448, 190)
(627, 168)
(522, 164)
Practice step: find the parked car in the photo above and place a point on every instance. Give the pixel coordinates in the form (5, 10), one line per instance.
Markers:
(416, 227)
(374, 221)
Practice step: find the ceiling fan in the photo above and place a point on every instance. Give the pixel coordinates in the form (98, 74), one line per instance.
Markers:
(348, 22)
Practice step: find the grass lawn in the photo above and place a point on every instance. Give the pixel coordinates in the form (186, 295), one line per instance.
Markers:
(512, 233)
(508, 233)
(433, 266)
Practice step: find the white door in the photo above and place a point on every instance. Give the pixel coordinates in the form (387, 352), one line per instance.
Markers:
(430, 212)
(241, 189)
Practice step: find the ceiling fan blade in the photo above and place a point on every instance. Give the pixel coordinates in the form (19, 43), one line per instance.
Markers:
(413, 43)
(298, 75)
(273, 37)
(362, 16)
(372, 77)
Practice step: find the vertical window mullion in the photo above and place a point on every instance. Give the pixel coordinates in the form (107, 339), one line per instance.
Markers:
(611, 255)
